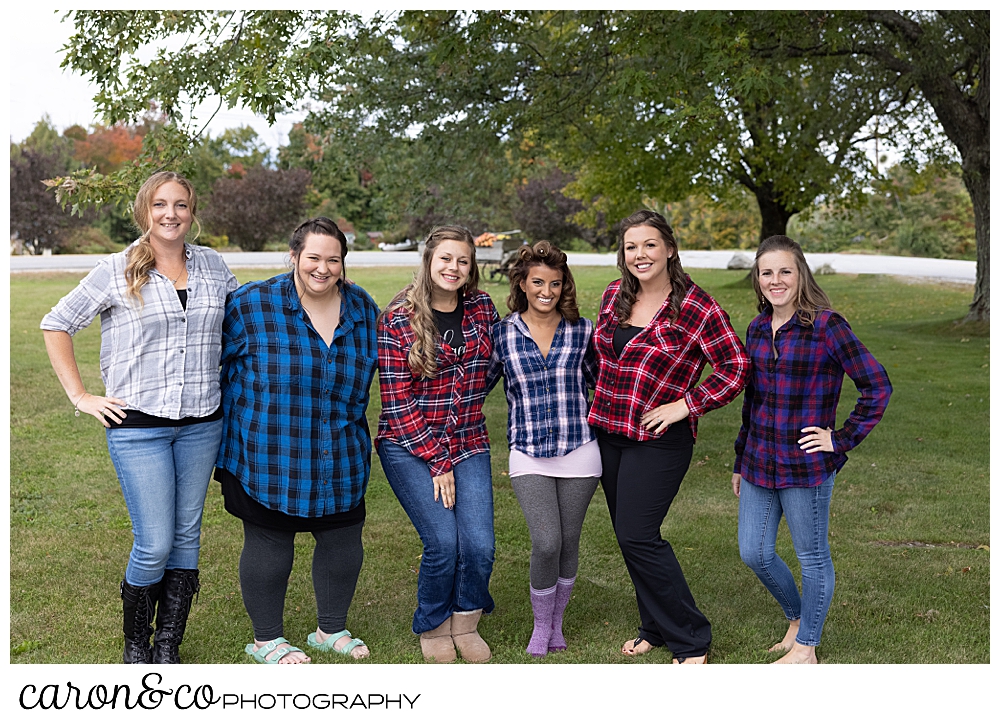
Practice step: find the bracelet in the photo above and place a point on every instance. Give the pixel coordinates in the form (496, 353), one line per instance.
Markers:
(76, 405)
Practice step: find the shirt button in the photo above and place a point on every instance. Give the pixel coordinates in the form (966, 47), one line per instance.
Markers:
(324, 422)
(184, 319)
(326, 452)
(182, 351)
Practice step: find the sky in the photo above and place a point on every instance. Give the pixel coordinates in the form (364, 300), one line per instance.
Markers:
(38, 86)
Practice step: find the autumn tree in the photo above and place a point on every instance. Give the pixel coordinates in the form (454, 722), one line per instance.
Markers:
(263, 206)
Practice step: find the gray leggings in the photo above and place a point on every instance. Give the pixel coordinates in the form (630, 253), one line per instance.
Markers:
(266, 564)
(554, 509)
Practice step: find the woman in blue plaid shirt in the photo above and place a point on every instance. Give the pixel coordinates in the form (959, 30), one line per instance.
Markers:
(787, 449)
(298, 359)
(548, 364)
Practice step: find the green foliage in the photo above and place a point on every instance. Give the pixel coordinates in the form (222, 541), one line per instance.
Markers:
(263, 206)
(700, 222)
(926, 213)
(89, 240)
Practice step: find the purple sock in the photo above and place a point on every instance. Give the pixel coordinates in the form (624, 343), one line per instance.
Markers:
(564, 587)
(542, 603)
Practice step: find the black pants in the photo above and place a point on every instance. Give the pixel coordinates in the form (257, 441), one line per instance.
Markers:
(640, 481)
(266, 564)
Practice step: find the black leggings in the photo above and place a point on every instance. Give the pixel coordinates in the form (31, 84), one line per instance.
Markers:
(266, 564)
(640, 481)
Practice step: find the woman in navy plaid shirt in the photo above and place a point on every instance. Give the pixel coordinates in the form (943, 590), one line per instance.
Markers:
(298, 358)
(787, 449)
(655, 333)
(548, 364)
(434, 350)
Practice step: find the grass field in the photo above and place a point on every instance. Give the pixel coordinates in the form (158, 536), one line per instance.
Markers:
(909, 527)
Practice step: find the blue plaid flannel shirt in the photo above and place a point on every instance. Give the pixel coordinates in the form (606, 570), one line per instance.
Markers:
(296, 435)
(546, 396)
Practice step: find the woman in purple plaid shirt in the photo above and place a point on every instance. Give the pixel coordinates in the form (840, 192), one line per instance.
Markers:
(545, 350)
(787, 449)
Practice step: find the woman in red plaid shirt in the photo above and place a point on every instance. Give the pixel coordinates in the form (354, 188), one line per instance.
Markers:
(655, 333)
(434, 349)
(786, 450)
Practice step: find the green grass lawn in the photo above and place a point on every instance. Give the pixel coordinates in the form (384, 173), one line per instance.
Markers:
(909, 532)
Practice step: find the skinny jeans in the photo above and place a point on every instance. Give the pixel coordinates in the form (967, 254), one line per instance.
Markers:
(164, 474)
(640, 482)
(459, 544)
(807, 511)
(266, 564)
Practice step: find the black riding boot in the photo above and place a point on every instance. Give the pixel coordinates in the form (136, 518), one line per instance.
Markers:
(138, 605)
(179, 587)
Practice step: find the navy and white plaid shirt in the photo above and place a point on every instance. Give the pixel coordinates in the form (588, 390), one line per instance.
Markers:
(547, 400)
(159, 357)
(801, 388)
(296, 435)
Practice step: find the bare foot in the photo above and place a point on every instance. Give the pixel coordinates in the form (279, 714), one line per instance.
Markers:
(786, 643)
(692, 660)
(799, 655)
(291, 657)
(358, 652)
(637, 647)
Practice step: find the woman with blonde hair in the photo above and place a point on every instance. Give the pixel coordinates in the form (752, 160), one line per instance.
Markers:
(434, 350)
(161, 303)
(787, 448)
(545, 349)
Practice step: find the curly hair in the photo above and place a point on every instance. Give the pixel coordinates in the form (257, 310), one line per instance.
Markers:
(630, 285)
(415, 299)
(809, 297)
(544, 254)
(140, 257)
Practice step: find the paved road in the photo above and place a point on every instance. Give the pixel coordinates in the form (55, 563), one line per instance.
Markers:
(951, 270)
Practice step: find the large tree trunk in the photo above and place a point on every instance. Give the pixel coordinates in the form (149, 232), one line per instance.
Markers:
(965, 119)
(978, 184)
(773, 214)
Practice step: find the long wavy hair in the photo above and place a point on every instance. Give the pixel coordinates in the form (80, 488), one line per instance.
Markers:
(630, 284)
(415, 299)
(140, 256)
(324, 227)
(810, 299)
(545, 254)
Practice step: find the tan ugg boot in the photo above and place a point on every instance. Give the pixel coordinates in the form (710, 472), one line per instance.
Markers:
(437, 645)
(467, 639)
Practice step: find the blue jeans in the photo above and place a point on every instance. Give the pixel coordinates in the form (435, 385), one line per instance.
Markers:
(164, 474)
(807, 511)
(458, 543)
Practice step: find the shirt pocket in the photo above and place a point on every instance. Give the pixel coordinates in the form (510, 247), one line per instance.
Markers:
(669, 338)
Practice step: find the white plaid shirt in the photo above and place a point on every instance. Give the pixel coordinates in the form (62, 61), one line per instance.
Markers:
(160, 358)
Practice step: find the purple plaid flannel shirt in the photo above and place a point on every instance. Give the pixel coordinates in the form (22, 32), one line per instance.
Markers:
(798, 388)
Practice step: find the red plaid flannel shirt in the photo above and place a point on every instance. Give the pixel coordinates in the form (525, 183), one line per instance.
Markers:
(663, 363)
(440, 419)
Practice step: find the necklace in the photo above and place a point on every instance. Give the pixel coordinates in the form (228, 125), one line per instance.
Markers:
(174, 280)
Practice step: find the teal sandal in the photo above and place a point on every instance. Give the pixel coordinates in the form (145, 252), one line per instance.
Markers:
(327, 645)
(281, 645)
